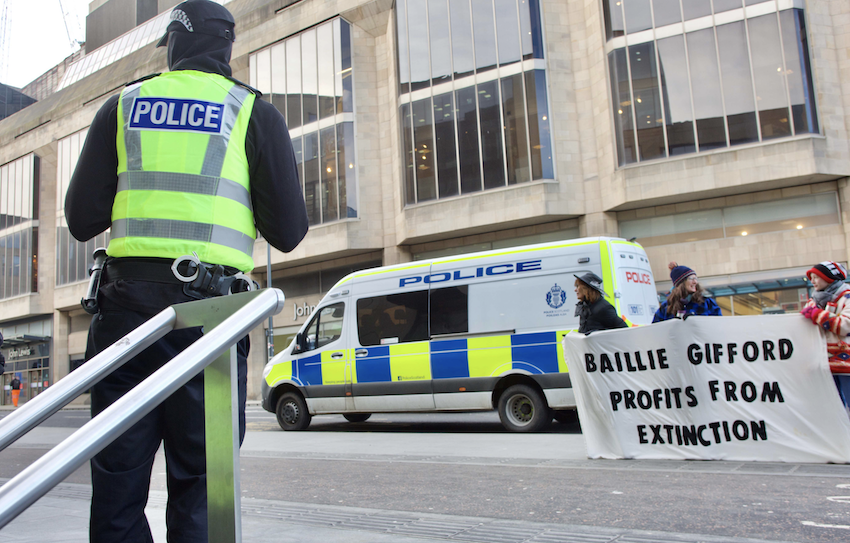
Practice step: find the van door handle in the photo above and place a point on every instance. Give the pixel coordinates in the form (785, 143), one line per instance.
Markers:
(361, 352)
(337, 355)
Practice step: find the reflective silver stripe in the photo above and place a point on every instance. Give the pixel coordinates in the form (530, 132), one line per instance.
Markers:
(185, 230)
(185, 182)
(132, 138)
(217, 146)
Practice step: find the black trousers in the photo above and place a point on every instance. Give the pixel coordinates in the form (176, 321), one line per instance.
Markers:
(121, 472)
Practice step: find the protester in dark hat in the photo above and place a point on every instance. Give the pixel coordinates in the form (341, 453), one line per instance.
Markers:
(686, 298)
(593, 311)
(829, 308)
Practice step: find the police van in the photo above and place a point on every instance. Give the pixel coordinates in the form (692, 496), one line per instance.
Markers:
(472, 332)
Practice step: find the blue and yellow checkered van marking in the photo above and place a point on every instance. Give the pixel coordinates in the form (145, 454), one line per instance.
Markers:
(309, 370)
(410, 361)
(280, 372)
(375, 366)
(449, 359)
(535, 353)
(488, 355)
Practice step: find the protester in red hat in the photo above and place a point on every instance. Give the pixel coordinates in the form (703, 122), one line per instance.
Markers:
(829, 308)
(686, 298)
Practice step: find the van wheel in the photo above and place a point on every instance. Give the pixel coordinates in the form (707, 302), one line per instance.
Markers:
(524, 409)
(292, 412)
(357, 417)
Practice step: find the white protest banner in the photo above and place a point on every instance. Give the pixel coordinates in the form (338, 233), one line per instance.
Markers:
(710, 388)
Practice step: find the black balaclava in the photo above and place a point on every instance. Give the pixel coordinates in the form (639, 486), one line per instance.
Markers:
(199, 52)
(200, 37)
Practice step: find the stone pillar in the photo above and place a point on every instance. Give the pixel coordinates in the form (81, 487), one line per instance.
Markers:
(59, 358)
(397, 254)
(599, 224)
(844, 205)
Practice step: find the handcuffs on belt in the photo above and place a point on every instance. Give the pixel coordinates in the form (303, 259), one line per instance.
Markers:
(205, 280)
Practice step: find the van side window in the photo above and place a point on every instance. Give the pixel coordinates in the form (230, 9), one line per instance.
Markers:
(325, 327)
(395, 318)
(449, 310)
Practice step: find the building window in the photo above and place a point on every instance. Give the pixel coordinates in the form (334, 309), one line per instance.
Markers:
(308, 78)
(755, 300)
(395, 318)
(685, 88)
(474, 111)
(19, 182)
(72, 256)
(735, 221)
(325, 328)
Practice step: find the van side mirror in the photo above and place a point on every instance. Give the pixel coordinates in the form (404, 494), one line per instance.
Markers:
(299, 342)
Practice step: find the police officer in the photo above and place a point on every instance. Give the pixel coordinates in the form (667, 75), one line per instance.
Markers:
(182, 162)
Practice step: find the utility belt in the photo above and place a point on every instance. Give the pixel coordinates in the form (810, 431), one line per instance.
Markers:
(199, 279)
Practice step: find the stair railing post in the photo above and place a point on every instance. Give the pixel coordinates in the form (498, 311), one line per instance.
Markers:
(241, 313)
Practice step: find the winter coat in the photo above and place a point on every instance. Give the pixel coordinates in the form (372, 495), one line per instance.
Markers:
(834, 319)
(600, 315)
(706, 307)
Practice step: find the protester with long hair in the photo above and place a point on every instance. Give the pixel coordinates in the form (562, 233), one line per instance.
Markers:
(686, 298)
(593, 310)
(829, 308)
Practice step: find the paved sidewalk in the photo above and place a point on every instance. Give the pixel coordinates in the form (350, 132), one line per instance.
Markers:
(62, 514)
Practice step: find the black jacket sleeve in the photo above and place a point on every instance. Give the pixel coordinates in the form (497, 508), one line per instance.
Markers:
(279, 209)
(88, 203)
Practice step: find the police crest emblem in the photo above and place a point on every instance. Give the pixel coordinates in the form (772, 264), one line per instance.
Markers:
(556, 297)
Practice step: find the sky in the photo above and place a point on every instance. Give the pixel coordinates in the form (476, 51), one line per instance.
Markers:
(41, 33)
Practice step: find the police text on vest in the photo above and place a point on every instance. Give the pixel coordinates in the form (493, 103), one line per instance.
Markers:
(150, 113)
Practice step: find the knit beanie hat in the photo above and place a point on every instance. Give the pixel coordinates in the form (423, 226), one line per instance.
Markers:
(679, 273)
(828, 271)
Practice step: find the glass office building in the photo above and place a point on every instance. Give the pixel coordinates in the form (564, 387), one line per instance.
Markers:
(692, 75)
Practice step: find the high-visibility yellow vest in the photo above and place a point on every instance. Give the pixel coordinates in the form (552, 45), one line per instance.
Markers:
(183, 182)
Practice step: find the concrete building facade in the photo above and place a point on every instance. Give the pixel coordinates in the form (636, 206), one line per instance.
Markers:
(713, 131)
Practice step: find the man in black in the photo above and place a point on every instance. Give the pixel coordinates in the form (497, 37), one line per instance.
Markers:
(199, 39)
(16, 390)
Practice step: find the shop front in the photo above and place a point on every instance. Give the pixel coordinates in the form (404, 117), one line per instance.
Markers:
(761, 293)
(27, 367)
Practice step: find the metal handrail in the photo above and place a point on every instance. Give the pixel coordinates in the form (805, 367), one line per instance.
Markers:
(38, 409)
(28, 486)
